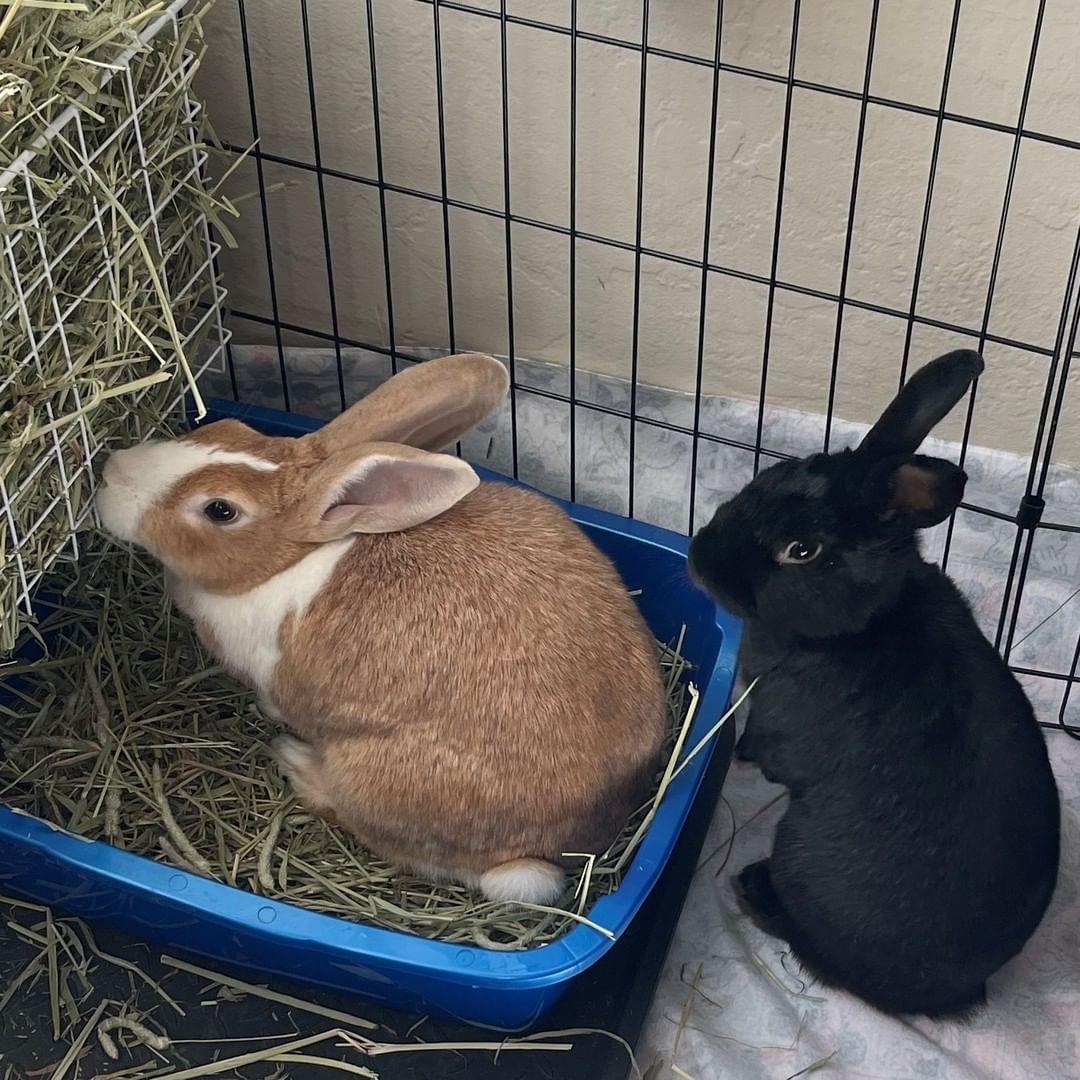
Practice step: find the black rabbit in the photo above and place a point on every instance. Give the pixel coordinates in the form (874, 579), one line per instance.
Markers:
(919, 849)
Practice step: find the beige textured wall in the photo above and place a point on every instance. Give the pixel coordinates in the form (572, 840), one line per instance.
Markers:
(994, 40)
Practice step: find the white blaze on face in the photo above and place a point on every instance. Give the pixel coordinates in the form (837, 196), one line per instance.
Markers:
(136, 479)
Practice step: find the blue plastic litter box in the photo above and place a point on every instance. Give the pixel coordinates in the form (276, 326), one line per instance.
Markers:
(504, 990)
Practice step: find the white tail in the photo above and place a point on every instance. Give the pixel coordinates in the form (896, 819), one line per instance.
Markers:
(528, 881)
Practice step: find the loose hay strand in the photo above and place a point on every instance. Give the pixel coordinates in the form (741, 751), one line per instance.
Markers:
(711, 734)
(665, 780)
(76, 1047)
(326, 1063)
(269, 995)
(224, 1065)
(126, 965)
(127, 732)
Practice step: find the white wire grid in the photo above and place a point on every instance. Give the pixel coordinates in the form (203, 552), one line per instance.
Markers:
(36, 536)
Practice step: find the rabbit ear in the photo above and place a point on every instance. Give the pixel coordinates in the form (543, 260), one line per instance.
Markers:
(923, 490)
(429, 406)
(379, 488)
(924, 401)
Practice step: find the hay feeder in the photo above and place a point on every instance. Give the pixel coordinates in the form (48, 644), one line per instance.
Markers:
(109, 298)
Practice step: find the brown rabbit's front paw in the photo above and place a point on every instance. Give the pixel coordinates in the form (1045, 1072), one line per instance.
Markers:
(301, 764)
(270, 711)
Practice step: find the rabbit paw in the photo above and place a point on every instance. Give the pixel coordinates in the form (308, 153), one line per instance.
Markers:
(744, 750)
(757, 899)
(301, 764)
(271, 712)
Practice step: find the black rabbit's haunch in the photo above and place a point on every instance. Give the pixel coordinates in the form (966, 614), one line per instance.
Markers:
(919, 848)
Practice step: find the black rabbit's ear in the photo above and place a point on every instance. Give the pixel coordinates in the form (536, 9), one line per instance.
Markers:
(923, 490)
(923, 402)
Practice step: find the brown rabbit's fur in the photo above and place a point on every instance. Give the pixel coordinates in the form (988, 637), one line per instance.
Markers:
(477, 692)
(496, 711)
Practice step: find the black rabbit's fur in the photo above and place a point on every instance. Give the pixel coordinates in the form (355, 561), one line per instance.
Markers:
(919, 849)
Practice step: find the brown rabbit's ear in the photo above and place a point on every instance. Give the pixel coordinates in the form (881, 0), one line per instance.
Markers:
(924, 490)
(429, 406)
(379, 488)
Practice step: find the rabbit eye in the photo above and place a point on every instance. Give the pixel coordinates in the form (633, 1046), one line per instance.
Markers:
(220, 512)
(798, 552)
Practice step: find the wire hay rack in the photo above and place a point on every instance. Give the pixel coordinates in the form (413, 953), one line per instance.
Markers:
(109, 294)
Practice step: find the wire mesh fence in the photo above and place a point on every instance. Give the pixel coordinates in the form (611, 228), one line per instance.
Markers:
(478, 63)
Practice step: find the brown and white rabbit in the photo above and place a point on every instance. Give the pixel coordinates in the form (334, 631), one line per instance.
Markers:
(475, 691)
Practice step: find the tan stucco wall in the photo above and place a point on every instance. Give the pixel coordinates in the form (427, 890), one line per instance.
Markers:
(994, 39)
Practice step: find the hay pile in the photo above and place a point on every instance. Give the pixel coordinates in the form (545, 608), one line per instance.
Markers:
(127, 733)
(105, 258)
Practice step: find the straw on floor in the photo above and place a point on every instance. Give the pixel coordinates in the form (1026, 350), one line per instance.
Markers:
(127, 733)
(77, 1005)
